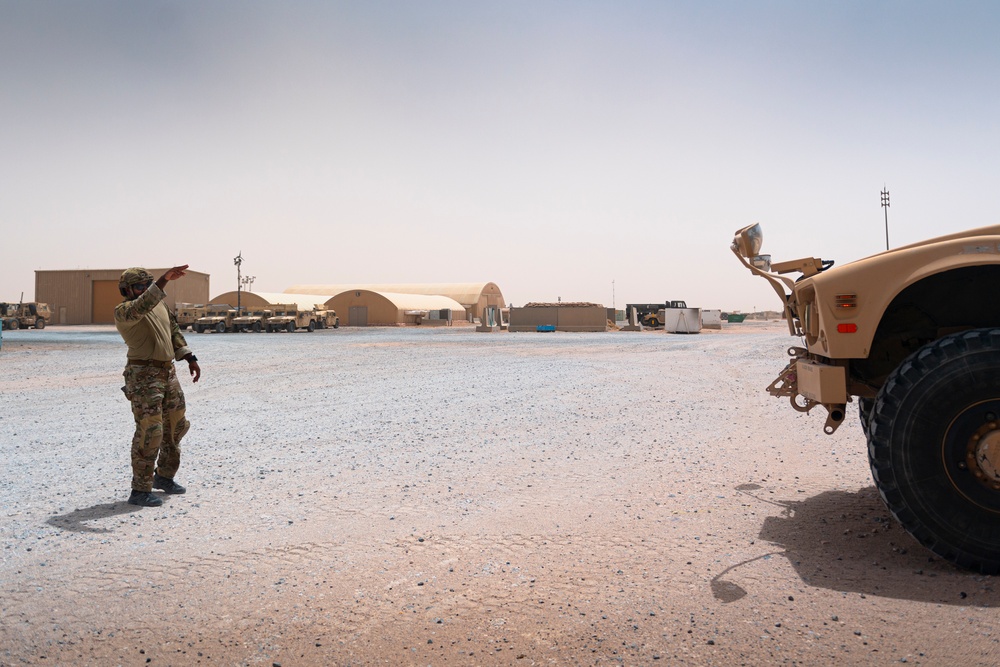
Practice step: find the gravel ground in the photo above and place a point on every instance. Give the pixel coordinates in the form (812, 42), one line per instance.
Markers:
(442, 497)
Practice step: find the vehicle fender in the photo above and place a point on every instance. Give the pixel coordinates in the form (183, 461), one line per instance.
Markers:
(900, 268)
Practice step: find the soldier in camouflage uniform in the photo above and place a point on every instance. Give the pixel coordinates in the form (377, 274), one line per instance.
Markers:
(154, 341)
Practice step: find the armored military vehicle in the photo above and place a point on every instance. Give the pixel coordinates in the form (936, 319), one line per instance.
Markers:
(288, 317)
(252, 320)
(326, 318)
(913, 336)
(218, 318)
(25, 315)
(188, 313)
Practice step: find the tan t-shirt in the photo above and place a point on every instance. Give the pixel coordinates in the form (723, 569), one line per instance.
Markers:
(148, 329)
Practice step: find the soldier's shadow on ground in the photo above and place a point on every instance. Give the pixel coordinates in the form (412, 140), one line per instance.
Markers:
(78, 520)
(848, 542)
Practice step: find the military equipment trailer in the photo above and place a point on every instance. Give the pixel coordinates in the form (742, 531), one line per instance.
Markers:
(648, 314)
(913, 335)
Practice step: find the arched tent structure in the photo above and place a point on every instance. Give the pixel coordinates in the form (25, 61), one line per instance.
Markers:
(473, 297)
(265, 299)
(361, 307)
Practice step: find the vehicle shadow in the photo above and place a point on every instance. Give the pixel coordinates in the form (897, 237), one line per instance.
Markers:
(848, 542)
(77, 520)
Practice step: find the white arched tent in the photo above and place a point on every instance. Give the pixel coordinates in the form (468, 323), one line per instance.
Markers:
(473, 297)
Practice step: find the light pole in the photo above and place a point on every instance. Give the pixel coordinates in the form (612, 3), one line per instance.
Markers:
(248, 283)
(238, 261)
(885, 206)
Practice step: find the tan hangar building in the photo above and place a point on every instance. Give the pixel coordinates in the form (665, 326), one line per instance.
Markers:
(89, 296)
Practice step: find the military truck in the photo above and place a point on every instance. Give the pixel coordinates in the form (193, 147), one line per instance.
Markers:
(288, 317)
(913, 336)
(188, 313)
(25, 315)
(218, 318)
(252, 320)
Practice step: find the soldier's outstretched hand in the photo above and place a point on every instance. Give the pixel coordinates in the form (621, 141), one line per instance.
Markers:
(175, 273)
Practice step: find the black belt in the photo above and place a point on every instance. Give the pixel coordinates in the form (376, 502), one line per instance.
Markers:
(150, 362)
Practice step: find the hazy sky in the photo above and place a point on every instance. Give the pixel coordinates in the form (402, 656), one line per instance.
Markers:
(555, 148)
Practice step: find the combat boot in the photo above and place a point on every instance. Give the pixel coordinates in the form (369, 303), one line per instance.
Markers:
(144, 499)
(167, 485)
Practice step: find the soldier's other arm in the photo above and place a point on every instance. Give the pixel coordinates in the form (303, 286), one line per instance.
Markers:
(182, 351)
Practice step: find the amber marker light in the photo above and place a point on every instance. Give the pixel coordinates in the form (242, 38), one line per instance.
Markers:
(846, 300)
(847, 327)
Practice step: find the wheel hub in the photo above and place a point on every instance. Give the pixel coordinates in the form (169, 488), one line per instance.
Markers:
(984, 454)
(971, 454)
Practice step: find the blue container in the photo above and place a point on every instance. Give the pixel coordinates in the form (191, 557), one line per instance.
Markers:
(546, 327)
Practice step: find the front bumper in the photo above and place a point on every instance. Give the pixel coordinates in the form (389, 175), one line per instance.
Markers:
(808, 382)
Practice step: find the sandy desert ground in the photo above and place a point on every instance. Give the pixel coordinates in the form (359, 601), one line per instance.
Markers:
(442, 497)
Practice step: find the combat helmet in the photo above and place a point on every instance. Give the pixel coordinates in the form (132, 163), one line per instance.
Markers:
(134, 276)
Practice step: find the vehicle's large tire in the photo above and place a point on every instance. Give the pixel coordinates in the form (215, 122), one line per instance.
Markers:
(256, 327)
(198, 328)
(14, 324)
(290, 327)
(269, 329)
(336, 324)
(865, 406)
(311, 327)
(934, 447)
(40, 323)
(221, 327)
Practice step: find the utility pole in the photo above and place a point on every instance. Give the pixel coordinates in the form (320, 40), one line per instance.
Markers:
(885, 206)
(238, 261)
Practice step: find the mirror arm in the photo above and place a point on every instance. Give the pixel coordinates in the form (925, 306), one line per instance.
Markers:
(778, 283)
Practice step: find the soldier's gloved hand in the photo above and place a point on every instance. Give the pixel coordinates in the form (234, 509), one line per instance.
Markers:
(193, 367)
(195, 370)
(174, 273)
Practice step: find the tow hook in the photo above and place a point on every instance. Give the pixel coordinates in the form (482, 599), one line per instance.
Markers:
(786, 384)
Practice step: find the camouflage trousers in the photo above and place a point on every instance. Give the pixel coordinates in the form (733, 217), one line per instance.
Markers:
(158, 407)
